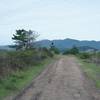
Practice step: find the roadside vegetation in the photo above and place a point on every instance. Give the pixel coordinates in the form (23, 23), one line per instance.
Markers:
(91, 66)
(92, 71)
(74, 51)
(19, 66)
(90, 63)
(16, 81)
(26, 60)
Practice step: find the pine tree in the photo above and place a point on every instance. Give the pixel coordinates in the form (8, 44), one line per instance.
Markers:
(24, 39)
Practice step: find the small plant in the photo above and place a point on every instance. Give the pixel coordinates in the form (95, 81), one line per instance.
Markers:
(84, 55)
(73, 51)
(54, 49)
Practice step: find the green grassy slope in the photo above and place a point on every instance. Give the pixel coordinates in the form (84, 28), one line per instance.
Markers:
(92, 71)
(20, 79)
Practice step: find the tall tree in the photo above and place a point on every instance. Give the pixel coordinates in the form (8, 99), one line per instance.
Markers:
(24, 39)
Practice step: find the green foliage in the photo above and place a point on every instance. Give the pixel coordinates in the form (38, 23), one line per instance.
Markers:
(84, 55)
(97, 54)
(73, 51)
(24, 58)
(92, 71)
(44, 53)
(18, 67)
(19, 60)
(19, 79)
(54, 49)
(91, 66)
(24, 39)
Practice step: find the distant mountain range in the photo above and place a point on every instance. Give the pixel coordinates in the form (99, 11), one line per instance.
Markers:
(5, 47)
(69, 43)
(66, 44)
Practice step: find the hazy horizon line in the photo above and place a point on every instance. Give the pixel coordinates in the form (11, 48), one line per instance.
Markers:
(59, 39)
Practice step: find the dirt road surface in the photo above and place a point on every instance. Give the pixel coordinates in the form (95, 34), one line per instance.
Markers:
(62, 80)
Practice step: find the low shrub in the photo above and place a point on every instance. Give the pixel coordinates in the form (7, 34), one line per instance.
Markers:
(11, 61)
(84, 55)
(74, 51)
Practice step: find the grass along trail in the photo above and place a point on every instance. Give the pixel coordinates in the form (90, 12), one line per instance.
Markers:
(61, 80)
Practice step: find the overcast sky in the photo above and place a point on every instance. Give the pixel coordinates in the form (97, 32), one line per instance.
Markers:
(53, 19)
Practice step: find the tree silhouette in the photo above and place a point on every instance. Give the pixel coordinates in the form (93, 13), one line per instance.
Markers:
(24, 39)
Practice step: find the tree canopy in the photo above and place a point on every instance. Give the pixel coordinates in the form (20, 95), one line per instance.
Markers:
(24, 39)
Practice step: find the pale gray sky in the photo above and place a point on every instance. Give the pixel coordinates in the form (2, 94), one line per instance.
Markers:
(53, 19)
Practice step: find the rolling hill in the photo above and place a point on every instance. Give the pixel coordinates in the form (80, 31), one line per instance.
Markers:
(69, 43)
(65, 44)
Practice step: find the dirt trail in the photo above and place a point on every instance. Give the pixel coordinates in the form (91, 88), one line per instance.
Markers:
(61, 80)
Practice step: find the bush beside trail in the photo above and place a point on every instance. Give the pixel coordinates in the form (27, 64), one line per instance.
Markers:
(11, 61)
(73, 51)
(92, 56)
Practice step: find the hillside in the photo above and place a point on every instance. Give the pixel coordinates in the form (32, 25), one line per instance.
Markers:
(5, 47)
(69, 43)
(66, 44)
